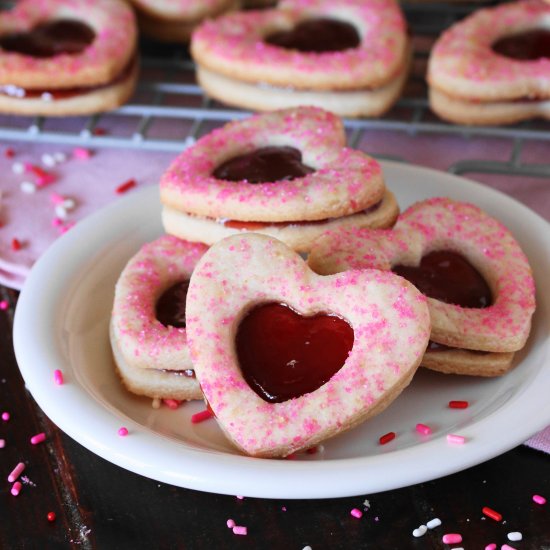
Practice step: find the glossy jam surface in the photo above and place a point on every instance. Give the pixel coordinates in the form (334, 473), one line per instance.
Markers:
(284, 355)
(317, 36)
(525, 46)
(170, 307)
(61, 36)
(448, 277)
(264, 165)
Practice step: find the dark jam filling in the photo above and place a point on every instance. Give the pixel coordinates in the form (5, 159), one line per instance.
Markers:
(284, 355)
(319, 35)
(264, 165)
(188, 373)
(448, 277)
(434, 346)
(170, 307)
(525, 46)
(61, 36)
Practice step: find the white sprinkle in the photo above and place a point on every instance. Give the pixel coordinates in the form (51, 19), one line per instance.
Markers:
(48, 160)
(46, 96)
(85, 133)
(68, 204)
(459, 548)
(515, 536)
(28, 187)
(18, 168)
(436, 522)
(137, 137)
(61, 212)
(307, 548)
(34, 129)
(60, 157)
(420, 531)
(189, 141)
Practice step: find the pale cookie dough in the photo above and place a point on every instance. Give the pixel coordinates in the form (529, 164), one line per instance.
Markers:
(470, 83)
(390, 323)
(442, 224)
(98, 76)
(152, 359)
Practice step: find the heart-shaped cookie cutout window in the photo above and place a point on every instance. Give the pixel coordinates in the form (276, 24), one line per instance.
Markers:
(445, 226)
(386, 328)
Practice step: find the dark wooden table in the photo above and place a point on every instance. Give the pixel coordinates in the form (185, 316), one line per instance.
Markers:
(99, 505)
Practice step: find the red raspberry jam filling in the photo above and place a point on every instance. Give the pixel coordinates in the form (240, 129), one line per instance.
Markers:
(448, 277)
(264, 165)
(525, 46)
(61, 36)
(170, 307)
(318, 35)
(284, 355)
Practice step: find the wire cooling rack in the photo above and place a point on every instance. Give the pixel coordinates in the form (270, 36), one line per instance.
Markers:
(169, 110)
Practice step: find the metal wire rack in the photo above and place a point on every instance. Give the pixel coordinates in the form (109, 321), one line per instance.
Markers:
(169, 110)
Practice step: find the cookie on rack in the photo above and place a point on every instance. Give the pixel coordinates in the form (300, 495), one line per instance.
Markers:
(479, 284)
(286, 173)
(287, 358)
(174, 20)
(350, 57)
(60, 57)
(494, 66)
(147, 329)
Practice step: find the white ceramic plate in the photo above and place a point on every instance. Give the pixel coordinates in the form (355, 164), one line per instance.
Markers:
(62, 323)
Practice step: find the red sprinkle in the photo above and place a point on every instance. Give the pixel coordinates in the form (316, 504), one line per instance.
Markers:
(172, 403)
(99, 131)
(51, 516)
(490, 513)
(9, 153)
(201, 416)
(123, 187)
(386, 438)
(15, 244)
(458, 404)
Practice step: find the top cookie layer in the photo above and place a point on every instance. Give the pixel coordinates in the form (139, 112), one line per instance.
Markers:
(345, 181)
(234, 45)
(463, 64)
(101, 62)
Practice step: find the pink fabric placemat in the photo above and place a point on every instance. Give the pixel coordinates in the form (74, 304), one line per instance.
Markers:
(27, 224)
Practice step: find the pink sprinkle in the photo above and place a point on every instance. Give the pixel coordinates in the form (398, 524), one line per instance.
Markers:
(201, 416)
(507, 547)
(58, 377)
(172, 403)
(240, 497)
(491, 546)
(16, 488)
(356, 513)
(5, 416)
(231, 523)
(57, 222)
(240, 530)
(539, 499)
(2, 443)
(45, 179)
(452, 538)
(66, 227)
(423, 429)
(457, 439)
(123, 432)
(16, 472)
(4, 304)
(56, 198)
(38, 438)
(81, 153)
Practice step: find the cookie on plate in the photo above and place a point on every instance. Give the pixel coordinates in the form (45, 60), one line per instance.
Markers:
(147, 329)
(494, 66)
(350, 57)
(479, 284)
(287, 174)
(60, 57)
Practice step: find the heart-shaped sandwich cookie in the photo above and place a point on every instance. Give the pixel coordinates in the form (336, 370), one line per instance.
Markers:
(494, 66)
(287, 358)
(148, 335)
(61, 57)
(479, 284)
(287, 174)
(347, 56)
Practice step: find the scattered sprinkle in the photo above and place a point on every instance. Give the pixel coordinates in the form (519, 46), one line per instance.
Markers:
(58, 377)
(240, 530)
(81, 153)
(48, 160)
(60, 212)
(5, 416)
(201, 416)
(507, 547)
(56, 198)
(489, 512)
(15, 244)
(423, 429)
(126, 186)
(420, 531)
(27, 187)
(51, 516)
(386, 438)
(452, 538)
(18, 168)
(38, 438)
(16, 472)
(99, 131)
(356, 513)
(9, 153)
(514, 536)
(16, 488)
(2, 443)
(4, 305)
(458, 404)
(172, 403)
(491, 546)
(457, 439)
(60, 157)
(231, 523)
(122, 431)
(240, 497)
(539, 499)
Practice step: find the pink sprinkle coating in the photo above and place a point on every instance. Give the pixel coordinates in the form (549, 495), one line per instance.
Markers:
(16, 488)
(452, 538)
(539, 499)
(58, 377)
(16, 472)
(457, 439)
(38, 438)
(423, 429)
(5, 416)
(356, 513)
(240, 530)
(122, 431)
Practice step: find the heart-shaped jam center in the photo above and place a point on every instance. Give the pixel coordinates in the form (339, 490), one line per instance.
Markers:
(448, 277)
(263, 165)
(284, 355)
(170, 307)
(525, 46)
(317, 36)
(48, 39)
